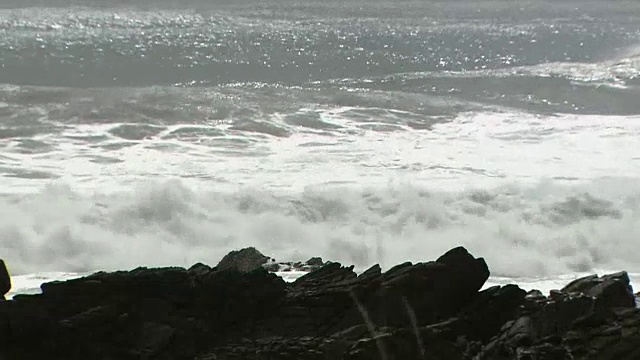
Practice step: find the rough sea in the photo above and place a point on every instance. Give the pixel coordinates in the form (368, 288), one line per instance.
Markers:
(151, 133)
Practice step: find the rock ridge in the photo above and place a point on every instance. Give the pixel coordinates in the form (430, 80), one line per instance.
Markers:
(241, 310)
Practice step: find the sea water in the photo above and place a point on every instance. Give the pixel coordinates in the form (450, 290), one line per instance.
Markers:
(153, 133)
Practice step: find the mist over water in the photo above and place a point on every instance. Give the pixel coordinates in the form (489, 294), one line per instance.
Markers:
(133, 134)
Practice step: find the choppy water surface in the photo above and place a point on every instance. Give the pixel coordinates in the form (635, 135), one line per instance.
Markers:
(364, 133)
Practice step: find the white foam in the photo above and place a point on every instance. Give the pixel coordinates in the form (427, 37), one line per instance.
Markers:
(30, 283)
(378, 197)
(522, 231)
(476, 148)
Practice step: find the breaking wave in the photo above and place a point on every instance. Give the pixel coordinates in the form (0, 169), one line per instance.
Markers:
(533, 231)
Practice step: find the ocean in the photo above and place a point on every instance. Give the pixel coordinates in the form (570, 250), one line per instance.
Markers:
(153, 133)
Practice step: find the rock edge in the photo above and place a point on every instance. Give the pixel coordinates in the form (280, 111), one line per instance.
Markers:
(431, 310)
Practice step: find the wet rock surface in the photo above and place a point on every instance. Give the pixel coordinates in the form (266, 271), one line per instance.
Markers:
(430, 310)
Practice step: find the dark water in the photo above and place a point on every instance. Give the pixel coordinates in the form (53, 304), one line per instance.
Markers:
(487, 53)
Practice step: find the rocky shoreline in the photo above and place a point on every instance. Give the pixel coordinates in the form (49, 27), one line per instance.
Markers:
(241, 310)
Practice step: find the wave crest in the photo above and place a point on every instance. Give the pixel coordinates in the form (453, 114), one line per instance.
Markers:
(522, 231)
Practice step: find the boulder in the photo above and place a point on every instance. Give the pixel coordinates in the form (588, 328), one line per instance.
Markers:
(244, 260)
(610, 291)
(315, 261)
(462, 266)
(5, 279)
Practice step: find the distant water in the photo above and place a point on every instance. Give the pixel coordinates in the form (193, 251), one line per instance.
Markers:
(150, 133)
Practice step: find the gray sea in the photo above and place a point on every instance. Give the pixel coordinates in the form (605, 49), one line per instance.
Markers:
(137, 132)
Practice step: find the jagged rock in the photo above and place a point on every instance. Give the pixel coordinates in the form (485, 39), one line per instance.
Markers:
(371, 273)
(475, 271)
(431, 310)
(522, 335)
(199, 269)
(546, 326)
(5, 279)
(491, 309)
(471, 274)
(613, 290)
(616, 339)
(243, 260)
(172, 311)
(315, 261)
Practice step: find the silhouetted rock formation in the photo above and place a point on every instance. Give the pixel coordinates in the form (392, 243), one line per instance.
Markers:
(590, 318)
(243, 260)
(432, 310)
(5, 279)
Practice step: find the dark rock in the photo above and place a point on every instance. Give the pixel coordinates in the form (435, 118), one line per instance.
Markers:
(422, 343)
(610, 291)
(534, 295)
(90, 318)
(558, 316)
(544, 351)
(560, 327)
(556, 294)
(199, 269)
(431, 310)
(373, 272)
(491, 309)
(330, 273)
(27, 318)
(5, 279)
(271, 267)
(473, 272)
(580, 285)
(243, 260)
(154, 338)
(522, 335)
(4, 328)
(315, 261)
(618, 338)
(534, 300)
